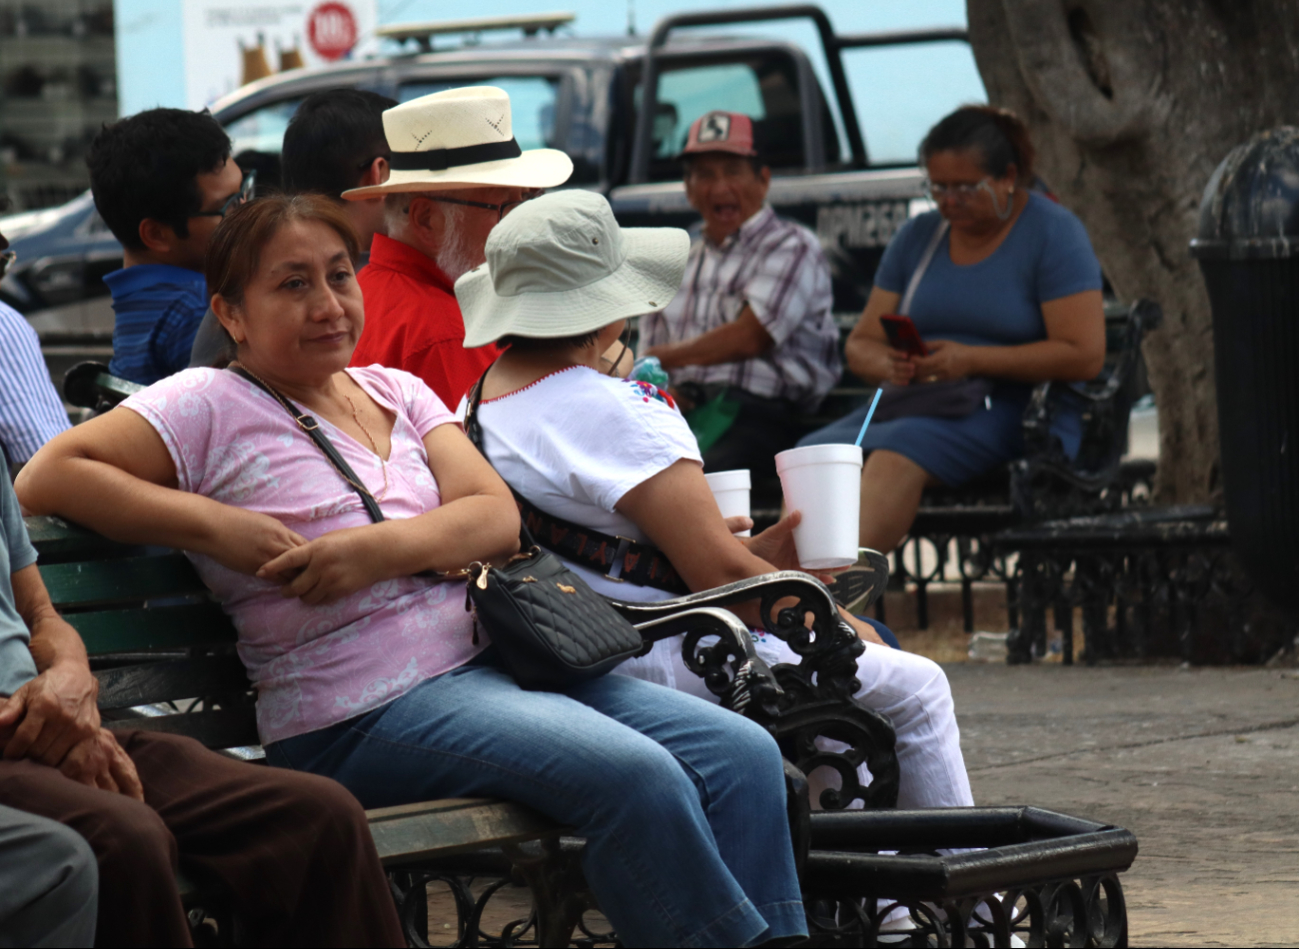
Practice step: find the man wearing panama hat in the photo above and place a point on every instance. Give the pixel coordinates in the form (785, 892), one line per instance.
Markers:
(456, 172)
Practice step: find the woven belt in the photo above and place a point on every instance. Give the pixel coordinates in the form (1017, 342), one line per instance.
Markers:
(617, 558)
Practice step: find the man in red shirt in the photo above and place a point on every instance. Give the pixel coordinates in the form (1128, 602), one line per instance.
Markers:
(464, 174)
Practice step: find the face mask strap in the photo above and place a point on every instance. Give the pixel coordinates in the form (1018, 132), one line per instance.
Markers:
(625, 339)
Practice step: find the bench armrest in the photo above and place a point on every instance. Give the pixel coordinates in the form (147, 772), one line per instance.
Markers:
(750, 682)
(828, 650)
(1104, 404)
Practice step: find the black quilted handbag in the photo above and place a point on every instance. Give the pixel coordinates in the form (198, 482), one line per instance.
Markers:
(549, 628)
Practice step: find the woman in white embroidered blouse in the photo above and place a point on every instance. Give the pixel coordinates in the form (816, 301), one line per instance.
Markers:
(616, 456)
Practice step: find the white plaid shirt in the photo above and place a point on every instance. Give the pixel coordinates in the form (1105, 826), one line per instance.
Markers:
(778, 269)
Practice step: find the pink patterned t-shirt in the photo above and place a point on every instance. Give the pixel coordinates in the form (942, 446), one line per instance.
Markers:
(314, 666)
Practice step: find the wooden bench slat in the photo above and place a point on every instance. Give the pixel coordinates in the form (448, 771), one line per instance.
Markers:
(54, 538)
(221, 728)
(166, 681)
(101, 582)
(414, 831)
(158, 627)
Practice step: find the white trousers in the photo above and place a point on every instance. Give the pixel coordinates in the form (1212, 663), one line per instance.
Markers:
(911, 690)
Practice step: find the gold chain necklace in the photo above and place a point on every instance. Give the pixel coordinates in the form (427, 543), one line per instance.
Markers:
(383, 465)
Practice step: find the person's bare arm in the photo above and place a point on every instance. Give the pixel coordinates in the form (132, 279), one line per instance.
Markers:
(56, 710)
(677, 512)
(1073, 351)
(113, 474)
(743, 338)
(867, 351)
(53, 718)
(477, 521)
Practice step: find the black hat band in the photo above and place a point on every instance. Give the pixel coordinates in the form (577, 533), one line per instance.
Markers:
(440, 159)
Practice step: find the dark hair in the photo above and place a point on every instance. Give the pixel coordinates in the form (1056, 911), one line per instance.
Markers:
(998, 135)
(147, 166)
(533, 344)
(332, 138)
(237, 244)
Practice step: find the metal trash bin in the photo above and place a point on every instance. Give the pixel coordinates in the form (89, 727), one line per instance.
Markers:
(1248, 251)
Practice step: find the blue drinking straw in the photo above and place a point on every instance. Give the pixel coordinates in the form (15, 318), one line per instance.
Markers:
(874, 402)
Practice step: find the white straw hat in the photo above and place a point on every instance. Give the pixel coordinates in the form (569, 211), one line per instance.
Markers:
(461, 138)
(560, 265)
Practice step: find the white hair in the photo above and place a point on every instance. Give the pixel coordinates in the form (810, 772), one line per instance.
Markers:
(454, 257)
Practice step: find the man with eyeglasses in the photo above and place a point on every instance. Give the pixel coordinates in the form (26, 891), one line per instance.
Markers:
(162, 181)
(456, 172)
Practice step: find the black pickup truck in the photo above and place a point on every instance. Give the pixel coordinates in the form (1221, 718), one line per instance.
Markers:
(584, 96)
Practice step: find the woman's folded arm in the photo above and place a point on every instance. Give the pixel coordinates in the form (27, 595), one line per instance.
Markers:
(113, 474)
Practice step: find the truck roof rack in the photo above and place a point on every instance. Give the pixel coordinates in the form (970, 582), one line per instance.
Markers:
(530, 24)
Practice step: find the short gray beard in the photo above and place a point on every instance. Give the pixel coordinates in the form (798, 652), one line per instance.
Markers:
(455, 258)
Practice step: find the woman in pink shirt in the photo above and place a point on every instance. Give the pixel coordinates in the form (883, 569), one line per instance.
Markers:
(367, 670)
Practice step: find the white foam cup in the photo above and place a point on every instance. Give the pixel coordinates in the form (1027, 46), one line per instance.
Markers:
(731, 489)
(824, 482)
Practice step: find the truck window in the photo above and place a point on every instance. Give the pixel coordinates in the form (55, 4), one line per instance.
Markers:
(532, 102)
(262, 130)
(901, 91)
(765, 88)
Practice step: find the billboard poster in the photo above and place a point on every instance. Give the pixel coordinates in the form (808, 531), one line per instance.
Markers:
(231, 42)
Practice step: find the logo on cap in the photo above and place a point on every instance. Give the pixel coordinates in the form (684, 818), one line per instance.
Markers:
(716, 127)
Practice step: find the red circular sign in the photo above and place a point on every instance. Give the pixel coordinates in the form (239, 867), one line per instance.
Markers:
(331, 30)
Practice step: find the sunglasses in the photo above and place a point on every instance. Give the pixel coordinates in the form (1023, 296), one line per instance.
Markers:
(247, 191)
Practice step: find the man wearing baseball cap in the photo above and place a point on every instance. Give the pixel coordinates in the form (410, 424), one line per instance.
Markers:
(456, 172)
(749, 340)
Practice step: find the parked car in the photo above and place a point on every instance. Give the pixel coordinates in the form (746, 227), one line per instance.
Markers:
(583, 96)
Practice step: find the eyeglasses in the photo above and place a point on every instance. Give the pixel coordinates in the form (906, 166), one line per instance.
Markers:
(247, 191)
(962, 194)
(500, 209)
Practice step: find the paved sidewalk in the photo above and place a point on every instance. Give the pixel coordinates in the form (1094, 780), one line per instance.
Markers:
(1201, 764)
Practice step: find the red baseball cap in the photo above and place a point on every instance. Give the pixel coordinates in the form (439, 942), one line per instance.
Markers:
(721, 132)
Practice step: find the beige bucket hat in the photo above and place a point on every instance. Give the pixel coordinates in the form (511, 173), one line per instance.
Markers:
(461, 138)
(560, 266)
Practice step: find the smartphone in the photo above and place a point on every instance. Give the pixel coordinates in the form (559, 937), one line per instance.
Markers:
(903, 335)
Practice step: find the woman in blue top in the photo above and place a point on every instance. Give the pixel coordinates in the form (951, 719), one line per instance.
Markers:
(1012, 294)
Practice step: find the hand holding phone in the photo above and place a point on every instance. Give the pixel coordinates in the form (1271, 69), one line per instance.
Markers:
(903, 335)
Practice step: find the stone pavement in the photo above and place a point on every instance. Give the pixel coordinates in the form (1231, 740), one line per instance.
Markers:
(1201, 764)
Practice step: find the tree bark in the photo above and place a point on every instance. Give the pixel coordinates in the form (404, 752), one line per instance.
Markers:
(1132, 104)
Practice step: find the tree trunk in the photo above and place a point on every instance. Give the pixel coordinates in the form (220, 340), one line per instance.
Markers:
(1132, 104)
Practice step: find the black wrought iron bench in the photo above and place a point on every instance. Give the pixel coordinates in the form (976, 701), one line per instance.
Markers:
(164, 653)
(1044, 485)
(1149, 582)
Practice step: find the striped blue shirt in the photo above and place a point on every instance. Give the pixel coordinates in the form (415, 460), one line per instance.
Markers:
(159, 308)
(31, 412)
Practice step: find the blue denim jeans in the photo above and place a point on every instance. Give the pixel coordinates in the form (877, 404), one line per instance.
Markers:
(682, 803)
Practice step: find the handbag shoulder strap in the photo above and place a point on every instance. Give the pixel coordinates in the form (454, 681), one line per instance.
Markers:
(312, 427)
(939, 232)
(617, 558)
